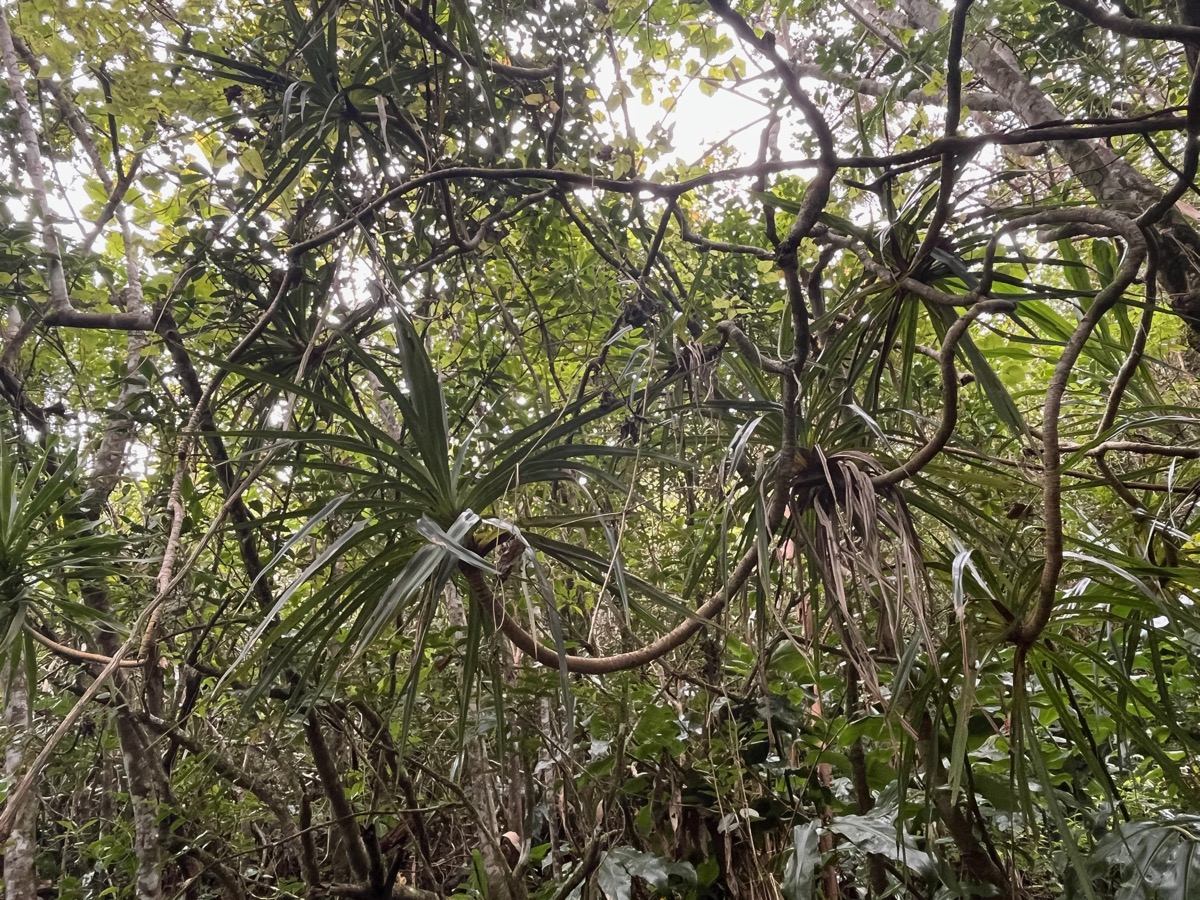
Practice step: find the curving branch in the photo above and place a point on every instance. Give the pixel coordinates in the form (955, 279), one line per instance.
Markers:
(747, 348)
(493, 610)
(1135, 28)
(558, 177)
(76, 655)
(817, 195)
(1057, 130)
(1026, 631)
(954, 334)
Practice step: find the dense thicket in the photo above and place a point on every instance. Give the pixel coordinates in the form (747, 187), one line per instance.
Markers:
(426, 470)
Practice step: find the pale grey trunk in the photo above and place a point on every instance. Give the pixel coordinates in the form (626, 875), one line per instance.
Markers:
(1111, 180)
(140, 765)
(548, 765)
(20, 854)
(143, 768)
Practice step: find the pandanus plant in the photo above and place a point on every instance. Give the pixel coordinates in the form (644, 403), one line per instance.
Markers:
(422, 504)
(50, 541)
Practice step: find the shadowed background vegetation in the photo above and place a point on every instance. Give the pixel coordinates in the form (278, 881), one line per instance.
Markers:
(426, 472)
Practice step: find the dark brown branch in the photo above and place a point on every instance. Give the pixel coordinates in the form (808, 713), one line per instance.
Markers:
(329, 774)
(493, 609)
(1089, 477)
(925, 454)
(1186, 176)
(1050, 131)
(1030, 627)
(1136, 28)
(883, 273)
(1061, 130)
(747, 348)
(226, 769)
(554, 176)
(817, 195)
(1138, 346)
(948, 176)
(583, 871)
(717, 246)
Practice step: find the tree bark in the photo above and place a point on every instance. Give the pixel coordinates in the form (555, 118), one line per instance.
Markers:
(1113, 182)
(345, 819)
(20, 854)
(144, 776)
(143, 768)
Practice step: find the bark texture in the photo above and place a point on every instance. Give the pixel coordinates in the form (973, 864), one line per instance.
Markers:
(20, 854)
(1112, 181)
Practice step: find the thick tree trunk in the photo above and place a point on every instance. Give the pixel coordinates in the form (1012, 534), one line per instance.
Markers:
(144, 775)
(20, 855)
(1110, 179)
(144, 795)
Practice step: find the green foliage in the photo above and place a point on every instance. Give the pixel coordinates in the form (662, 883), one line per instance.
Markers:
(49, 539)
(441, 382)
(1149, 859)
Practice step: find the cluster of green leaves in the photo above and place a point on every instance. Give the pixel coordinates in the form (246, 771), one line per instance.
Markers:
(528, 378)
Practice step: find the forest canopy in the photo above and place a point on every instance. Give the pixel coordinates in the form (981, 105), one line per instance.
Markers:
(600, 450)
